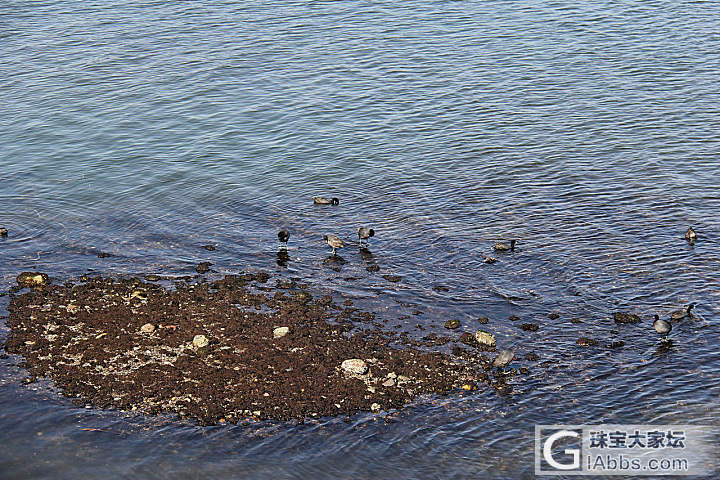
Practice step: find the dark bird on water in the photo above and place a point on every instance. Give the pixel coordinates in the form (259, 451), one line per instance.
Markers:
(690, 235)
(663, 327)
(334, 242)
(326, 201)
(283, 236)
(3, 232)
(682, 313)
(365, 233)
(503, 359)
(504, 247)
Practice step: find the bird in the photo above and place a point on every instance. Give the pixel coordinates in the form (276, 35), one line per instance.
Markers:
(326, 201)
(3, 232)
(333, 242)
(503, 359)
(365, 233)
(690, 235)
(283, 236)
(663, 327)
(504, 247)
(682, 313)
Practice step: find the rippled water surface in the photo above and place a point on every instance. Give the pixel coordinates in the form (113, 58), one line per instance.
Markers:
(589, 131)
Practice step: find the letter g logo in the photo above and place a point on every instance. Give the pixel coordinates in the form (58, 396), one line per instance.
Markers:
(548, 446)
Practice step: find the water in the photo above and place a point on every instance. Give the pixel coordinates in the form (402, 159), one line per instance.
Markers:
(587, 131)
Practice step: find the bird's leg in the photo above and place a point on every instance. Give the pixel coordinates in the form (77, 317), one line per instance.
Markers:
(334, 251)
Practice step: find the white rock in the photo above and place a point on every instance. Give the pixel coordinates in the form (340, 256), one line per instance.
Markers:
(375, 407)
(147, 328)
(200, 341)
(485, 338)
(280, 332)
(355, 366)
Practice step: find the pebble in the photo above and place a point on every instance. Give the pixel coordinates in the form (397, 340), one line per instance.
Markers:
(280, 332)
(554, 316)
(392, 278)
(485, 338)
(355, 366)
(147, 328)
(390, 382)
(483, 320)
(200, 341)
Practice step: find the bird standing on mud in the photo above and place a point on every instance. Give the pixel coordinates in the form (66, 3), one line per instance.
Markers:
(326, 201)
(504, 247)
(333, 242)
(283, 236)
(663, 327)
(365, 233)
(503, 359)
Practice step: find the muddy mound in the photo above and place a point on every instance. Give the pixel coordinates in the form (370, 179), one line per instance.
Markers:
(224, 351)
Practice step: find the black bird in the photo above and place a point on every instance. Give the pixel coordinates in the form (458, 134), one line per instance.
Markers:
(690, 235)
(283, 236)
(682, 313)
(503, 359)
(365, 233)
(334, 242)
(504, 247)
(663, 327)
(326, 201)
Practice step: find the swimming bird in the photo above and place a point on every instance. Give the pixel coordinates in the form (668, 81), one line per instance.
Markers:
(333, 242)
(690, 235)
(3, 232)
(663, 327)
(503, 359)
(365, 233)
(283, 236)
(682, 313)
(504, 247)
(326, 201)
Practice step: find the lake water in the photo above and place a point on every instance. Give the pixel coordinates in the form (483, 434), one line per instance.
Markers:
(588, 131)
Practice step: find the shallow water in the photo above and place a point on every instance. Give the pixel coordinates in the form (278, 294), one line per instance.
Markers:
(589, 132)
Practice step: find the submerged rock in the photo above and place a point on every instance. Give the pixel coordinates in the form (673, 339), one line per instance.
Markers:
(203, 267)
(621, 317)
(452, 324)
(586, 342)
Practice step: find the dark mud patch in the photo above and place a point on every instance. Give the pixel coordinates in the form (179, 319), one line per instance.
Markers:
(225, 350)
